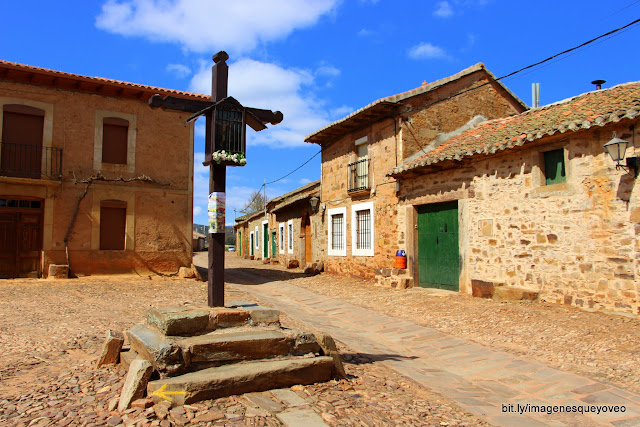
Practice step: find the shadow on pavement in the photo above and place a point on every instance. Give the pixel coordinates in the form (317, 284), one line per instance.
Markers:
(253, 276)
(366, 358)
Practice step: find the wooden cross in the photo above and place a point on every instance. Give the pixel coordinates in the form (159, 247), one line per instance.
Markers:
(254, 117)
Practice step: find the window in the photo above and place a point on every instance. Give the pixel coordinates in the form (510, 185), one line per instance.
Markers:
(281, 231)
(113, 224)
(337, 231)
(290, 236)
(359, 170)
(554, 170)
(256, 237)
(114, 140)
(362, 229)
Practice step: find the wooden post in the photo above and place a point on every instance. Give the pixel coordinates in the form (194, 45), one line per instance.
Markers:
(217, 184)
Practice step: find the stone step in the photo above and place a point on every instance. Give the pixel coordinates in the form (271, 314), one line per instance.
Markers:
(193, 320)
(234, 345)
(239, 378)
(172, 356)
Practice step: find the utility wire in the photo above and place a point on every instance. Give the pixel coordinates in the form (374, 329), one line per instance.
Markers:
(524, 68)
(607, 35)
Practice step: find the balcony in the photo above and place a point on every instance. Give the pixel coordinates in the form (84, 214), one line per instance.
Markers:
(359, 177)
(30, 161)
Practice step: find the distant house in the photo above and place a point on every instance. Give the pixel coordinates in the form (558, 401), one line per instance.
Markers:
(291, 229)
(531, 202)
(364, 225)
(198, 243)
(90, 175)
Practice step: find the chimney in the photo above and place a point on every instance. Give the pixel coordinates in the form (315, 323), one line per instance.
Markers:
(535, 95)
(598, 83)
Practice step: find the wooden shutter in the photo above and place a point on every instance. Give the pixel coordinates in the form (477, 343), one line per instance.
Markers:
(115, 132)
(113, 222)
(554, 170)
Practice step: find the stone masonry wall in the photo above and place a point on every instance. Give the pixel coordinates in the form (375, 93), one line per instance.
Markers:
(389, 140)
(576, 242)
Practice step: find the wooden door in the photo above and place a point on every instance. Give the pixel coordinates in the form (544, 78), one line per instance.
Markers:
(307, 239)
(438, 250)
(265, 241)
(20, 237)
(274, 245)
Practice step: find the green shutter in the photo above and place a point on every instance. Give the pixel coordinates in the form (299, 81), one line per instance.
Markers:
(554, 167)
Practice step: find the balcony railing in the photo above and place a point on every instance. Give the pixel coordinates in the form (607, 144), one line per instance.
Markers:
(30, 161)
(359, 175)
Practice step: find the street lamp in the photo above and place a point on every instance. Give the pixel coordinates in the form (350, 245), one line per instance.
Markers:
(617, 148)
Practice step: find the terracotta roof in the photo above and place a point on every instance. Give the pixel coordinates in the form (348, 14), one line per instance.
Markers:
(29, 74)
(390, 105)
(597, 108)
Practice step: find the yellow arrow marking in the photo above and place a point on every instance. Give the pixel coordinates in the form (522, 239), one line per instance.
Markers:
(162, 394)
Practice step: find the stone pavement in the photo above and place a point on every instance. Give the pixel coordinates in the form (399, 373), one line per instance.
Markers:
(499, 387)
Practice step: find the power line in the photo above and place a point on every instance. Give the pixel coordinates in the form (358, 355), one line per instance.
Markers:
(608, 35)
(524, 68)
(296, 169)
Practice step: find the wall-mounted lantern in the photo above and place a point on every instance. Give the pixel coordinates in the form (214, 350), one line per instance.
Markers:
(314, 203)
(617, 148)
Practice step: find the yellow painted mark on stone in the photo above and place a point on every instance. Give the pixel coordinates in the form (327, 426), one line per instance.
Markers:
(162, 394)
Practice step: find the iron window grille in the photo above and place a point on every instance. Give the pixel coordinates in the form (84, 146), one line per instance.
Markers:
(337, 232)
(363, 224)
(359, 175)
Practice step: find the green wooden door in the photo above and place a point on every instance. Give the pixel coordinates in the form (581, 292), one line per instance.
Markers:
(438, 252)
(274, 245)
(251, 246)
(239, 243)
(265, 241)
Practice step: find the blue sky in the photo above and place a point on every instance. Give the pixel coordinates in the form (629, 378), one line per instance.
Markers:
(318, 60)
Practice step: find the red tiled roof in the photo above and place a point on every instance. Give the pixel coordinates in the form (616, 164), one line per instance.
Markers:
(584, 111)
(384, 107)
(45, 77)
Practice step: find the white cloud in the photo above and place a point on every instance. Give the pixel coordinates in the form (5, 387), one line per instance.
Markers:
(426, 50)
(266, 85)
(209, 25)
(304, 181)
(179, 70)
(328, 71)
(365, 32)
(443, 10)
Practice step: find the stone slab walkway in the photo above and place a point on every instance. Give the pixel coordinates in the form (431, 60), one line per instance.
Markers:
(499, 387)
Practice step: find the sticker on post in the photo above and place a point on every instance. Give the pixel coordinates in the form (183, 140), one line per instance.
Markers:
(216, 209)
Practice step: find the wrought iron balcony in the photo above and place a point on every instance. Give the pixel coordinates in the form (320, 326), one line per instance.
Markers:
(359, 176)
(30, 161)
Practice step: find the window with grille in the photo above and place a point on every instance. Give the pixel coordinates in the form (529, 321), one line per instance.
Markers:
(362, 229)
(290, 236)
(281, 230)
(337, 232)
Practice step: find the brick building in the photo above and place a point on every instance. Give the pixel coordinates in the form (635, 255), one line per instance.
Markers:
(531, 202)
(364, 226)
(90, 175)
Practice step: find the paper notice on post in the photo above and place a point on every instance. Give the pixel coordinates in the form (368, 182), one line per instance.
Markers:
(216, 209)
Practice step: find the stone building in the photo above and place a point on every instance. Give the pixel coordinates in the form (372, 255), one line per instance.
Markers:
(91, 176)
(292, 230)
(359, 199)
(530, 203)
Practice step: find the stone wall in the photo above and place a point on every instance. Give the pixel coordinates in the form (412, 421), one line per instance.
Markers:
(575, 242)
(159, 214)
(390, 140)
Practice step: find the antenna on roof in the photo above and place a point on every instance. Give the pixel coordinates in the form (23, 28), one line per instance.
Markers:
(598, 83)
(535, 95)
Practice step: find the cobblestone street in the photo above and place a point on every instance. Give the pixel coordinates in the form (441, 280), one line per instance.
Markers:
(51, 333)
